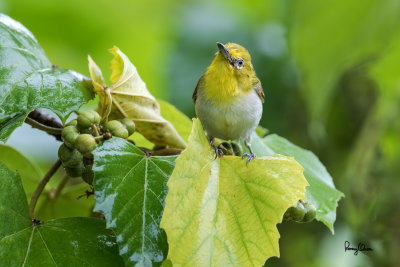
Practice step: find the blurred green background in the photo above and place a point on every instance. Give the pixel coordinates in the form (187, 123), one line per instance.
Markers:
(330, 71)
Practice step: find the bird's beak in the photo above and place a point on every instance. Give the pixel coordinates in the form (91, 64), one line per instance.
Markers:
(224, 51)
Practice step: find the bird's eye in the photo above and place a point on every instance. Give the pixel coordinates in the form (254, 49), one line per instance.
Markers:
(239, 63)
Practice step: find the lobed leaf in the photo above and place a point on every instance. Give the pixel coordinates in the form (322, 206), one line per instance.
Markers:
(28, 81)
(62, 242)
(321, 192)
(222, 212)
(129, 97)
(130, 191)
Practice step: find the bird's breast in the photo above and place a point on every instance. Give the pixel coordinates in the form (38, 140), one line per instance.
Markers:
(230, 120)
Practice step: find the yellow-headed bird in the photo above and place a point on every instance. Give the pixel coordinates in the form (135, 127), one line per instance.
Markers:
(228, 97)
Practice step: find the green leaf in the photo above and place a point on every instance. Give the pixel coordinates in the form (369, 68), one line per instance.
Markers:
(61, 242)
(28, 81)
(321, 192)
(181, 123)
(14, 160)
(130, 191)
(222, 212)
(48, 207)
(327, 41)
(67, 203)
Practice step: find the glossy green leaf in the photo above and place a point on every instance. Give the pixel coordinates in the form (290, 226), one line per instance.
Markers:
(28, 81)
(328, 41)
(321, 192)
(222, 212)
(130, 192)
(61, 242)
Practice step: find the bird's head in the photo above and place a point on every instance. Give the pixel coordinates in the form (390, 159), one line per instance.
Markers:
(235, 57)
(229, 73)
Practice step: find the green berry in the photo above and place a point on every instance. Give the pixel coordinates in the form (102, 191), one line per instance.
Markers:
(121, 132)
(129, 125)
(113, 125)
(85, 143)
(310, 212)
(87, 118)
(88, 174)
(295, 213)
(69, 157)
(72, 123)
(117, 129)
(97, 117)
(69, 135)
(74, 172)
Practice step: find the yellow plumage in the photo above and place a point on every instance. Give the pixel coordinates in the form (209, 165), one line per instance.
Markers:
(223, 83)
(228, 97)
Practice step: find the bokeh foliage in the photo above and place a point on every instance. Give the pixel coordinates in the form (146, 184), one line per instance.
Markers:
(329, 69)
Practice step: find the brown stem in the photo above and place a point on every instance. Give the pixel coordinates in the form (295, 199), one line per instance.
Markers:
(163, 151)
(41, 186)
(44, 122)
(95, 129)
(48, 129)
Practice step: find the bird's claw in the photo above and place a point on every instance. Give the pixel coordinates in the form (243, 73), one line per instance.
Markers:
(249, 157)
(218, 152)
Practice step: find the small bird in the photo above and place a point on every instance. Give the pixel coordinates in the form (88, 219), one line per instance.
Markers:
(228, 97)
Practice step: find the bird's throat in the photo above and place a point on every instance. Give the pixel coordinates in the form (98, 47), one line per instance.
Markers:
(221, 83)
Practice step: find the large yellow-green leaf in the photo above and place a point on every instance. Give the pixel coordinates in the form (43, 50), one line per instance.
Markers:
(321, 192)
(28, 80)
(129, 97)
(222, 212)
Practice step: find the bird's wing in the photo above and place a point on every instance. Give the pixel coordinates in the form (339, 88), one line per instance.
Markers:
(199, 84)
(259, 90)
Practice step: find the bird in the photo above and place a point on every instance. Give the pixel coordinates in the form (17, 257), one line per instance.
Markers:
(229, 98)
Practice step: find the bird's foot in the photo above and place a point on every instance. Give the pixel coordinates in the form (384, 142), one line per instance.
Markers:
(218, 152)
(249, 157)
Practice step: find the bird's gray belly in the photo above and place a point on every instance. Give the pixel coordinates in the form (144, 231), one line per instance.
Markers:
(230, 121)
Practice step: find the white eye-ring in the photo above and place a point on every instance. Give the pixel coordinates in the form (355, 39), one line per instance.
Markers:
(239, 63)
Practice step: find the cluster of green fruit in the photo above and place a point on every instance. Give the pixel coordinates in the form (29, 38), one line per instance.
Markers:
(80, 138)
(303, 212)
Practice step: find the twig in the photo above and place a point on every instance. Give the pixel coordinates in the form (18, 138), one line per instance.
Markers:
(44, 122)
(47, 129)
(41, 186)
(162, 152)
